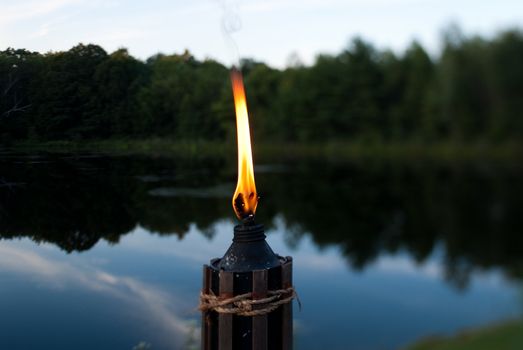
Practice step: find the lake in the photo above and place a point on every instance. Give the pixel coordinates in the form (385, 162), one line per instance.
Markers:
(105, 252)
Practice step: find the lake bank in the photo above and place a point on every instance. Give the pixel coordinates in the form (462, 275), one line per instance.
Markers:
(333, 151)
(505, 336)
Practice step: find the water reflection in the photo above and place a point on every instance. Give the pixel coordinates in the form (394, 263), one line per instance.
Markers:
(86, 291)
(376, 240)
(470, 211)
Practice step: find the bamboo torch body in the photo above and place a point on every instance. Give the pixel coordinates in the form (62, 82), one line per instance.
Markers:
(248, 268)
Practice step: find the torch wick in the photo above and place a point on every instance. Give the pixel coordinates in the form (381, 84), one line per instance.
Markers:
(248, 220)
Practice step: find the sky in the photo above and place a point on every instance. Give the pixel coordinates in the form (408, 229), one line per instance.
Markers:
(272, 31)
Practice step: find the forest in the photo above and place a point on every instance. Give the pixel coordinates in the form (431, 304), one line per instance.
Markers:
(470, 91)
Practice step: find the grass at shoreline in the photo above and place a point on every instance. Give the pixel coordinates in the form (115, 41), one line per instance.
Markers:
(505, 336)
(333, 151)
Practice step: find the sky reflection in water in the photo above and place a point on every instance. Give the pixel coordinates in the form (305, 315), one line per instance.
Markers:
(145, 290)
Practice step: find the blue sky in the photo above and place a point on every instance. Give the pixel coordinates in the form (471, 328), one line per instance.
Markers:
(270, 29)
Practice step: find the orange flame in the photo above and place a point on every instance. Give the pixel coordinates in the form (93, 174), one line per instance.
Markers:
(245, 198)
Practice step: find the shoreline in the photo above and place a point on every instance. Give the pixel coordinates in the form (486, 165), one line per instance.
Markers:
(332, 151)
(505, 335)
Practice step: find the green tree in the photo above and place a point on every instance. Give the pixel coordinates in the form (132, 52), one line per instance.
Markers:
(66, 96)
(464, 103)
(17, 69)
(360, 91)
(118, 81)
(407, 81)
(505, 70)
(179, 98)
(262, 85)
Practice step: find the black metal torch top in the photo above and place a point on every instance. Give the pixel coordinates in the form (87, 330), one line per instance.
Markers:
(249, 251)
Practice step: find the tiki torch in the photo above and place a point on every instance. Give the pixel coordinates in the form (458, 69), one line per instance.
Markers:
(246, 299)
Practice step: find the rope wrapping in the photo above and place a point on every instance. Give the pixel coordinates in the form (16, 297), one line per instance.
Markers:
(244, 305)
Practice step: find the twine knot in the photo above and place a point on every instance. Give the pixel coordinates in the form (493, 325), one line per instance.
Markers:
(245, 305)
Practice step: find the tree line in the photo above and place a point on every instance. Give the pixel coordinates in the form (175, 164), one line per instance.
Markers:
(472, 90)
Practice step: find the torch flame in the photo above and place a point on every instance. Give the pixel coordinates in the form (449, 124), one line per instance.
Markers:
(245, 198)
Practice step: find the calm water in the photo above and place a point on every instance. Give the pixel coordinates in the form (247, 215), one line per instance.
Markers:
(106, 253)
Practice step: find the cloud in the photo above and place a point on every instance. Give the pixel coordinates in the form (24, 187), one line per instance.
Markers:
(148, 299)
(42, 31)
(279, 5)
(406, 266)
(21, 11)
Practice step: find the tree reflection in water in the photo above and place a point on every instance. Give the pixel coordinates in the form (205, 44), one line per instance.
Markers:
(472, 211)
